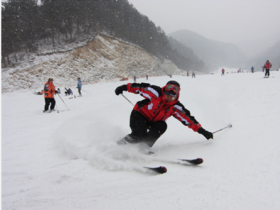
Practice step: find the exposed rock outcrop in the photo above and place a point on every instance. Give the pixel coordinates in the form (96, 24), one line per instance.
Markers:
(102, 58)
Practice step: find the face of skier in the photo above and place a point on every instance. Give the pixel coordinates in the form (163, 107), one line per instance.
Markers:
(170, 98)
(171, 91)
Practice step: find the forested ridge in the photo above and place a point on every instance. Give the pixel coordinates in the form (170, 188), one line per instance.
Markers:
(25, 24)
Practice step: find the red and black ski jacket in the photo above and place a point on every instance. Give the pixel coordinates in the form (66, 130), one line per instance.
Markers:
(268, 65)
(155, 107)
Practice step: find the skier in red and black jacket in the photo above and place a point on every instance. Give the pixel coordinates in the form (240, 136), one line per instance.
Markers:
(147, 119)
(267, 66)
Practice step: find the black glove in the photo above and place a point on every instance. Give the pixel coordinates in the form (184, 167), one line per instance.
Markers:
(56, 92)
(120, 89)
(208, 135)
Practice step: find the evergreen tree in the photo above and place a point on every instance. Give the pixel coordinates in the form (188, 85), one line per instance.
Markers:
(24, 23)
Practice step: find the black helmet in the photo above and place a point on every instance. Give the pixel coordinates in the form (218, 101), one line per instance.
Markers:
(171, 89)
(173, 82)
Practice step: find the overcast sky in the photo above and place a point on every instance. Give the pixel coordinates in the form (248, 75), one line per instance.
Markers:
(232, 21)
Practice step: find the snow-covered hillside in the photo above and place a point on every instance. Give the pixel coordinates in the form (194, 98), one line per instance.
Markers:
(103, 58)
(70, 161)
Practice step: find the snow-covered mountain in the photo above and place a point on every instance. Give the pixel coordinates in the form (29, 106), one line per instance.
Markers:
(213, 53)
(272, 54)
(70, 160)
(103, 58)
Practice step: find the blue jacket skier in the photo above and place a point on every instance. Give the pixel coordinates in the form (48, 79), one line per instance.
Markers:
(79, 86)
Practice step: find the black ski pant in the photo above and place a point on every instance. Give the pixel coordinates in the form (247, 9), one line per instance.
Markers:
(267, 72)
(49, 101)
(79, 90)
(144, 130)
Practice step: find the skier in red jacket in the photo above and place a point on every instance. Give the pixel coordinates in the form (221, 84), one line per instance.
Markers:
(267, 66)
(147, 119)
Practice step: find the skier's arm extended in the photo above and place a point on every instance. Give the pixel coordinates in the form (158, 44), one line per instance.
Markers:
(144, 89)
(184, 115)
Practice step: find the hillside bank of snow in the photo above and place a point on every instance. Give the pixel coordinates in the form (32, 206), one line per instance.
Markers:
(103, 58)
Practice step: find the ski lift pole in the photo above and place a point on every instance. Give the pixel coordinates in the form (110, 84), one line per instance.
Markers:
(63, 101)
(127, 100)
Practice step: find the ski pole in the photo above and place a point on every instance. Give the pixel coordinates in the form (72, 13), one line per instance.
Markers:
(229, 126)
(272, 74)
(56, 108)
(86, 91)
(63, 101)
(127, 99)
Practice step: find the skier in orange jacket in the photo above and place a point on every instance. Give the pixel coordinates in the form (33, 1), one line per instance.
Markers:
(49, 91)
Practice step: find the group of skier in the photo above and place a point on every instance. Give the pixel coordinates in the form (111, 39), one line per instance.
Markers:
(49, 91)
(148, 117)
(265, 67)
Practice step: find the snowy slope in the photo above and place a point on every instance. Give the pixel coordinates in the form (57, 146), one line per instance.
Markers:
(69, 160)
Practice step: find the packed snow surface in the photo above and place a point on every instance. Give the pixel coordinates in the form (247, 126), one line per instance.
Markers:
(70, 160)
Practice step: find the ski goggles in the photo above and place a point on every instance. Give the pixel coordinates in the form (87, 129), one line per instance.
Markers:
(174, 88)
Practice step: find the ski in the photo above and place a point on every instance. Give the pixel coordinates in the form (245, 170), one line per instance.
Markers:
(196, 161)
(159, 169)
(189, 162)
(163, 169)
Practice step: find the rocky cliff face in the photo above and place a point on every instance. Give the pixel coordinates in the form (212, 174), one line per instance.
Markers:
(102, 58)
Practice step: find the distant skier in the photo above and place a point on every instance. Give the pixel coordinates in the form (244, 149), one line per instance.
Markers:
(147, 119)
(68, 91)
(134, 78)
(146, 77)
(252, 69)
(79, 86)
(267, 66)
(49, 91)
(223, 72)
(39, 93)
(193, 74)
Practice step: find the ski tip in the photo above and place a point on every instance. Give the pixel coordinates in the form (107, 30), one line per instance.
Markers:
(163, 169)
(199, 161)
(196, 161)
(160, 169)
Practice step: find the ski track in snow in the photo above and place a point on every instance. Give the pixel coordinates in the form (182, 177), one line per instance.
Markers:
(70, 160)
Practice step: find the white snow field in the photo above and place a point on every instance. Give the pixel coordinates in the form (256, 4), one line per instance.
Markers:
(70, 160)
